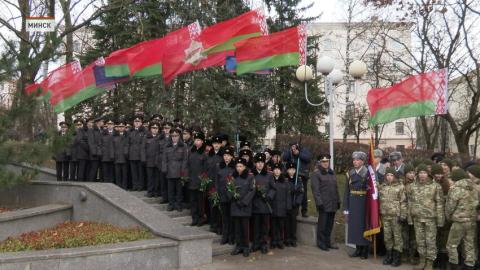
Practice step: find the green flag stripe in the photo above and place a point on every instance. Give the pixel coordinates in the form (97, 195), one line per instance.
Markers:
(152, 70)
(228, 45)
(414, 109)
(279, 60)
(80, 96)
(117, 70)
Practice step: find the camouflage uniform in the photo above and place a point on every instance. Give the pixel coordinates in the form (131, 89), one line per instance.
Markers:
(461, 210)
(427, 213)
(393, 208)
(442, 232)
(408, 231)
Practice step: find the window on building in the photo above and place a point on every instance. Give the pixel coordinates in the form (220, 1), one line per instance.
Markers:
(400, 148)
(399, 128)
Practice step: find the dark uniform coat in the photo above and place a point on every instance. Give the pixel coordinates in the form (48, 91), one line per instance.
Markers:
(221, 180)
(94, 143)
(197, 164)
(175, 158)
(107, 148)
(149, 152)
(244, 183)
(213, 160)
(354, 203)
(120, 146)
(264, 187)
(297, 191)
(325, 190)
(161, 142)
(282, 200)
(80, 149)
(135, 140)
(63, 154)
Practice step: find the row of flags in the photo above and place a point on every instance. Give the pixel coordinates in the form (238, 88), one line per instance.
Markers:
(241, 44)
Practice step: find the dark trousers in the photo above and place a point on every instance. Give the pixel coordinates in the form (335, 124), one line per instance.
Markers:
(261, 228)
(175, 192)
(291, 225)
(153, 177)
(163, 186)
(121, 175)
(305, 199)
(278, 230)
(227, 223)
(73, 170)
(108, 171)
(62, 170)
(324, 227)
(136, 169)
(242, 231)
(82, 170)
(215, 217)
(196, 199)
(92, 170)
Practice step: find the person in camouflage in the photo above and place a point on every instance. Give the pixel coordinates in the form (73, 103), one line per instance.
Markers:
(393, 210)
(427, 213)
(443, 179)
(474, 173)
(408, 232)
(461, 210)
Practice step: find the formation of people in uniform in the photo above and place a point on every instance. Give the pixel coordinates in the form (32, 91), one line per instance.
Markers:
(428, 208)
(251, 199)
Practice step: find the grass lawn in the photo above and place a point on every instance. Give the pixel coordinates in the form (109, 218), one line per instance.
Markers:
(72, 234)
(339, 220)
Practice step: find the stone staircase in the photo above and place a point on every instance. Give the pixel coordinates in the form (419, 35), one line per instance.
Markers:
(184, 219)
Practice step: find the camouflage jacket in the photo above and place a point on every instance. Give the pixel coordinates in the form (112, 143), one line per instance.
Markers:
(462, 202)
(427, 202)
(408, 195)
(393, 202)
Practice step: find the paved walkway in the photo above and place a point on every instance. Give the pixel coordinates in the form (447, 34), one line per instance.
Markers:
(300, 258)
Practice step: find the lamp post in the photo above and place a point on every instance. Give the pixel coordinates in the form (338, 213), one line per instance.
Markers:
(357, 69)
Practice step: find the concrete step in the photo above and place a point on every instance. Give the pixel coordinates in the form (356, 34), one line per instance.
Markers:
(161, 207)
(152, 200)
(175, 213)
(218, 249)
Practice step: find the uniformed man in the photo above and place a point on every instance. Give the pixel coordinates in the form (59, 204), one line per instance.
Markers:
(245, 145)
(187, 137)
(94, 126)
(197, 166)
(225, 170)
(174, 165)
(215, 156)
(149, 154)
(262, 209)
(396, 160)
(474, 172)
(157, 118)
(461, 210)
(447, 165)
(108, 152)
(281, 204)
(80, 152)
(63, 155)
(300, 156)
(241, 206)
(296, 183)
(247, 154)
(354, 204)
(408, 232)
(427, 213)
(380, 168)
(120, 146)
(135, 140)
(393, 211)
(437, 157)
(163, 182)
(327, 200)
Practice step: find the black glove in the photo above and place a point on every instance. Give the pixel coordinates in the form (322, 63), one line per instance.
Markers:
(320, 208)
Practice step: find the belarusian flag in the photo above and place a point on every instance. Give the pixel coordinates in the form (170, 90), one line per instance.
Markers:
(284, 48)
(418, 95)
(78, 88)
(145, 58)
(372, 213)
(52, 83)
(211, 46)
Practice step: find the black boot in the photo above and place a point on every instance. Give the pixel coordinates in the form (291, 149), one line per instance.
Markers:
(388, 258)
(246, 252)
(236, 251)
(365, 252)
(397, 260)
(264, 249)
(357, 253)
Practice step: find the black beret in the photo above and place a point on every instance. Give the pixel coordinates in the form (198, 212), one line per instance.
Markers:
(229, 151)
(245, 152)
(244, 143)
(277, 166)
(199, 135)
(241, 161)
(260, 157)
(217, 139)
(291, 165)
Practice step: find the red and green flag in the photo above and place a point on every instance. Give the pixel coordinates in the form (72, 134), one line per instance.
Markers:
(211, 46)
(372, 205)
(418, 95)
(284, 48)
(78, 88)
(53, 82)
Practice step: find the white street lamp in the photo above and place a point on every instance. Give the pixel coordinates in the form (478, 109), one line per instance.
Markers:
(336, 76)
(325, 65)
(304, 73)
(357, 69)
